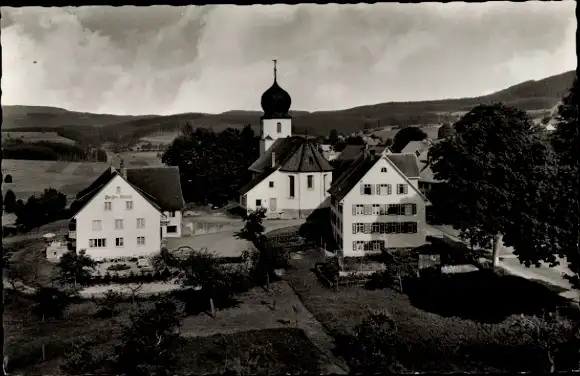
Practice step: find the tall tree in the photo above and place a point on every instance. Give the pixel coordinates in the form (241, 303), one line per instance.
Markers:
(566, 142)
(406, 135)
(333, 137)
(75, 267)
(490, 170)
(444, 131)
(9, 201)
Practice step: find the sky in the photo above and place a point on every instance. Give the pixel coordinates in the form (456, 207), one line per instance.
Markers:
(166, 60)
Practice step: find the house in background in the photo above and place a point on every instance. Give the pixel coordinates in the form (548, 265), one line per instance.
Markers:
(421, 150)
(127, 212)
(376, 205)
(291, 177)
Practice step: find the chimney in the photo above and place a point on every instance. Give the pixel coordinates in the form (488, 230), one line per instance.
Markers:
(372, 154)
(273, 159)
(122, 169)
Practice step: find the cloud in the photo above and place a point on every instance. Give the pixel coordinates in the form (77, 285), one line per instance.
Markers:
(134, 60)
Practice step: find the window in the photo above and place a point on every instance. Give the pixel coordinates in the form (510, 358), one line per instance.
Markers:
(340, 208)
(366, 189)
(376, 228)
(129, 205)
(310, 181)
(383, 189)
(97, 243)
(172, 229)
(383, 169)
(118, 242)
(291, 183)
(409, 209)
(279, 127)
(97, 225)
(118, 190)
(402, 189)
(140, 240)
(324, 183)
(171, 214)
(310, 160)
(375, 209)
(271, 184)
(408, 227)
(140, 222)
(367, 228)
(118, 224)
(108, 205)
(258, 203)
(394, 209)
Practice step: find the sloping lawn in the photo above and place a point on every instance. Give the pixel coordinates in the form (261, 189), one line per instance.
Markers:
(433, 342)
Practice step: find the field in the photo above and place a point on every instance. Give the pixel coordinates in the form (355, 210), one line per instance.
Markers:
(35, 136)
(33, 177)
(160, 138)
(140, 159)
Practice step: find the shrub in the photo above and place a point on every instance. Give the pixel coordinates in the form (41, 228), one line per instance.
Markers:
(133, 259)
(108, 306)
(8, 178)
(107, 278)
(118, 267)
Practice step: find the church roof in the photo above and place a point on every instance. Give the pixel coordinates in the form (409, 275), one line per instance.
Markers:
(292, 154)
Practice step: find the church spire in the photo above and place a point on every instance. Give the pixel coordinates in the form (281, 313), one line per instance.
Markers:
(275, 69)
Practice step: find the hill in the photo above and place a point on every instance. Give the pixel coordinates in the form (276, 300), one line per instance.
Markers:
(533, 96)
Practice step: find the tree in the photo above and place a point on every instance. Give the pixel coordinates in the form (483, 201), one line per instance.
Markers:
(444, 131)
(493, 171)
(355, 140)
(333, 137)
(75, 266)
(49, 207)
(51, 302)
(147, 345)
(253, 229)
(339, 146)
(9, 201)
(566, 140)
(406, 135)
(400, 267)
(8, 178)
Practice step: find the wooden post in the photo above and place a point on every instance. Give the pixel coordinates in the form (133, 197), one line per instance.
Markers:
(43, 350)
(212, 307)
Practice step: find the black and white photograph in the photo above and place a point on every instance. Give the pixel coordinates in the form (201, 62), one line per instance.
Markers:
(290, 189)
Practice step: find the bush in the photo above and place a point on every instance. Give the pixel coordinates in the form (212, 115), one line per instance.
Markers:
(118, 267)
(8, 178)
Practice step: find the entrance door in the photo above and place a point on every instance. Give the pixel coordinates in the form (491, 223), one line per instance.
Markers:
(272, 204)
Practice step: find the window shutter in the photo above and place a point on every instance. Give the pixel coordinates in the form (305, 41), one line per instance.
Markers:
(354, 246)
(354, 228)
(414, 208)
(372, 189)
(353, 209)
(389, 189)
(406, 188)
(378, 189)
(362, 189)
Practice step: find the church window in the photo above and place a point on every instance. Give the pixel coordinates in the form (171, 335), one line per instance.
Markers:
(310, 181)
(310, 160)
(291, 182)
(279, 127)
(271, 184)
(258, 203)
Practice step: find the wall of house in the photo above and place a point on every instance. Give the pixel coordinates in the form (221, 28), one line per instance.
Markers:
(95, 210)
(171, 221)
(305, 200)
(354, 197)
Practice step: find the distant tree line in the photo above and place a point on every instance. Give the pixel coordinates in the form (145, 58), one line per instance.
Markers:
(50, 206)
(213, 166)
(51, 151)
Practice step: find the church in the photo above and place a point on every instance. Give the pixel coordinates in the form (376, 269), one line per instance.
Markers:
(291, 177)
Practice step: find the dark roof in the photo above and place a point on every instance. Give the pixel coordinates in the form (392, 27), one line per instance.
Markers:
(161, 183)
(406, 163)
(255, 181)
(292, 154)
(351, 152)
(160, 186)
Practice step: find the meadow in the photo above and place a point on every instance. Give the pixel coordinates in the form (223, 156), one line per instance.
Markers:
(36, 136)
(160, 137)
(141, 159)
(31, 177)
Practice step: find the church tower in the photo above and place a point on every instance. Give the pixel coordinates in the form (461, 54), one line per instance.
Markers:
(276, 122)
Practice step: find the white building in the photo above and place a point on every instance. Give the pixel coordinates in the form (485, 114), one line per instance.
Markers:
(376, 205)
(127, 213)
(291, 178)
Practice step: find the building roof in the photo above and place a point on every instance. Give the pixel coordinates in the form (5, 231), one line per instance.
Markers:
(352, 152)
(414, 146)
(161, 183)
(255, 181)
(160, 188)
(292, 154)
(405, 163)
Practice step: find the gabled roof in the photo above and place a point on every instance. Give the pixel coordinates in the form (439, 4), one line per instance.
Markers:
(292, 154)
(161, 183)
(414, 146)
(406, 165)
(160, 186)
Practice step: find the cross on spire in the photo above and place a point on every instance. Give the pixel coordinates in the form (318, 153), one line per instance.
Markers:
(275, 69)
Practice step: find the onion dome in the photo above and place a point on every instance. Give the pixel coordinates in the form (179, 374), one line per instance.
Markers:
(276, 101)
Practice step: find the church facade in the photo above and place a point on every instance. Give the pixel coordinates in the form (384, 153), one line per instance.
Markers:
(291, 177)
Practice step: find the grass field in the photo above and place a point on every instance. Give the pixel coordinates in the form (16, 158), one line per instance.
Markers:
(36, 136)
(160, 138)
(33, 177)
(141, 159)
